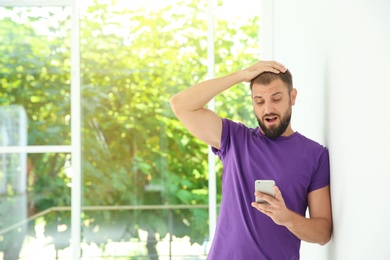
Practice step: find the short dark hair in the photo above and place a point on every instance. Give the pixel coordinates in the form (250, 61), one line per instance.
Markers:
(266, 78)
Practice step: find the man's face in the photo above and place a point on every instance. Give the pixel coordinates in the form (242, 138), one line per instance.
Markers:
(273, 106)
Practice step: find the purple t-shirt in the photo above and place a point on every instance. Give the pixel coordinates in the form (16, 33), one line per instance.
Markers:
(297, 164)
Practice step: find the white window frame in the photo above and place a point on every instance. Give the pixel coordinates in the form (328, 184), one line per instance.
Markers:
(266, 41)
(75, 147)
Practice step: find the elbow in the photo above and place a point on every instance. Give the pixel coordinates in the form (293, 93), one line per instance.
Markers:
(174, 104)
(326, 234)
(324, 242)
(325, 239)
(178, 105)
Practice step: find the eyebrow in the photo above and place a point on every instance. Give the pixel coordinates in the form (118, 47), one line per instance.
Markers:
(272, 95)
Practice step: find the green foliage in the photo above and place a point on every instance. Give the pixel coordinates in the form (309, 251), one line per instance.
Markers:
(135, 152)
(138, 144)
(34, 72)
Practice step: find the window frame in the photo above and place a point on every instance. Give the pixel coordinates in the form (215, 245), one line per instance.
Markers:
(266, 41)
(75, 147)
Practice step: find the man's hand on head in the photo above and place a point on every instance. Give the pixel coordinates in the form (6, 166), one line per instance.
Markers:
(262, 66)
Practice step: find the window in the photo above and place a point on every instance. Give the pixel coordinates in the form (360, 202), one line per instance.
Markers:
(144, 178)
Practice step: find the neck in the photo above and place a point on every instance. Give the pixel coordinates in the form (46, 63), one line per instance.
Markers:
(289, 131)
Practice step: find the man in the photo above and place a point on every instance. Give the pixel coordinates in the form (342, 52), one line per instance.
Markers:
(298, 165)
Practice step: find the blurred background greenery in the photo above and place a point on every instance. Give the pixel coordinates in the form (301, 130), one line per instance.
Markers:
(134, 151)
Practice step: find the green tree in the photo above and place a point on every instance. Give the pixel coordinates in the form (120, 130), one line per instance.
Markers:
(144, 148)
(34, 73)
(135, 152)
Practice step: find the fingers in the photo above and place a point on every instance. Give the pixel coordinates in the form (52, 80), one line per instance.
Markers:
(270, 66)
(274, 66)
(273, 202)
(263, 197)
(263, 66)
(276, 209)
(264, 208)
(270, 199)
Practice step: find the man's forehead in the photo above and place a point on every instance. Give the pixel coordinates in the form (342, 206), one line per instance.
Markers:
(271, 89)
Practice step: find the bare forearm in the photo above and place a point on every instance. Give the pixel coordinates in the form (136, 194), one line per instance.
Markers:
(316, 229)
(199, 95)
(189, 104)
(312, 230)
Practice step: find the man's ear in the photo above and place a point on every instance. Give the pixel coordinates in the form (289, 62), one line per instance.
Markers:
(293, 96)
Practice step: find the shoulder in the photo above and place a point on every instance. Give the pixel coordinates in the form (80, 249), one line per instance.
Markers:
(313, 149)
(234, 134)
(234, 127)
(309, 143)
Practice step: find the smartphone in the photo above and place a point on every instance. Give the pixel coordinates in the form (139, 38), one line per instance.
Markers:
(264, 186)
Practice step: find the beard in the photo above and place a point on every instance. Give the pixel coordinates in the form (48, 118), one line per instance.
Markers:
(275, 131)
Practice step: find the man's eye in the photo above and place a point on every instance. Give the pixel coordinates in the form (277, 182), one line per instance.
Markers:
(277, 99)
(259, 102)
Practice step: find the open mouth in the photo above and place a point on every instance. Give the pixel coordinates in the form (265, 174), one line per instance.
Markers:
(271, 119)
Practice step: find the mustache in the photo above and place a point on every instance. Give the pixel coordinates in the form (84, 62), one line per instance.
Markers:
(271, 115)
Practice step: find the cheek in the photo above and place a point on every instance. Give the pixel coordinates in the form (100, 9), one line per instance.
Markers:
(257, 112)
(283, 108)
(258, 109)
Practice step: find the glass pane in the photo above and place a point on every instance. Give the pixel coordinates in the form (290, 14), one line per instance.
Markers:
(237, 38)
(134, 57)
(139, 163)
(122, 240)
(34, 206)
(35, 69)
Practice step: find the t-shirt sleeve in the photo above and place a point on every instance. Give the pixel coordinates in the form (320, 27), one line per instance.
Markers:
(224, 138)
(321, 176)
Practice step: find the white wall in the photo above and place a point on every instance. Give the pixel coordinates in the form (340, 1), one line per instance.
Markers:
(339, 54)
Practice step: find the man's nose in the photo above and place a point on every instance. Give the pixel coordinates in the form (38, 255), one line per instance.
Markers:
(268, 108)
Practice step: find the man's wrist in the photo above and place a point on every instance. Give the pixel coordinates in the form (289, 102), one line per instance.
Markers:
(239, 76)
(290, 220)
